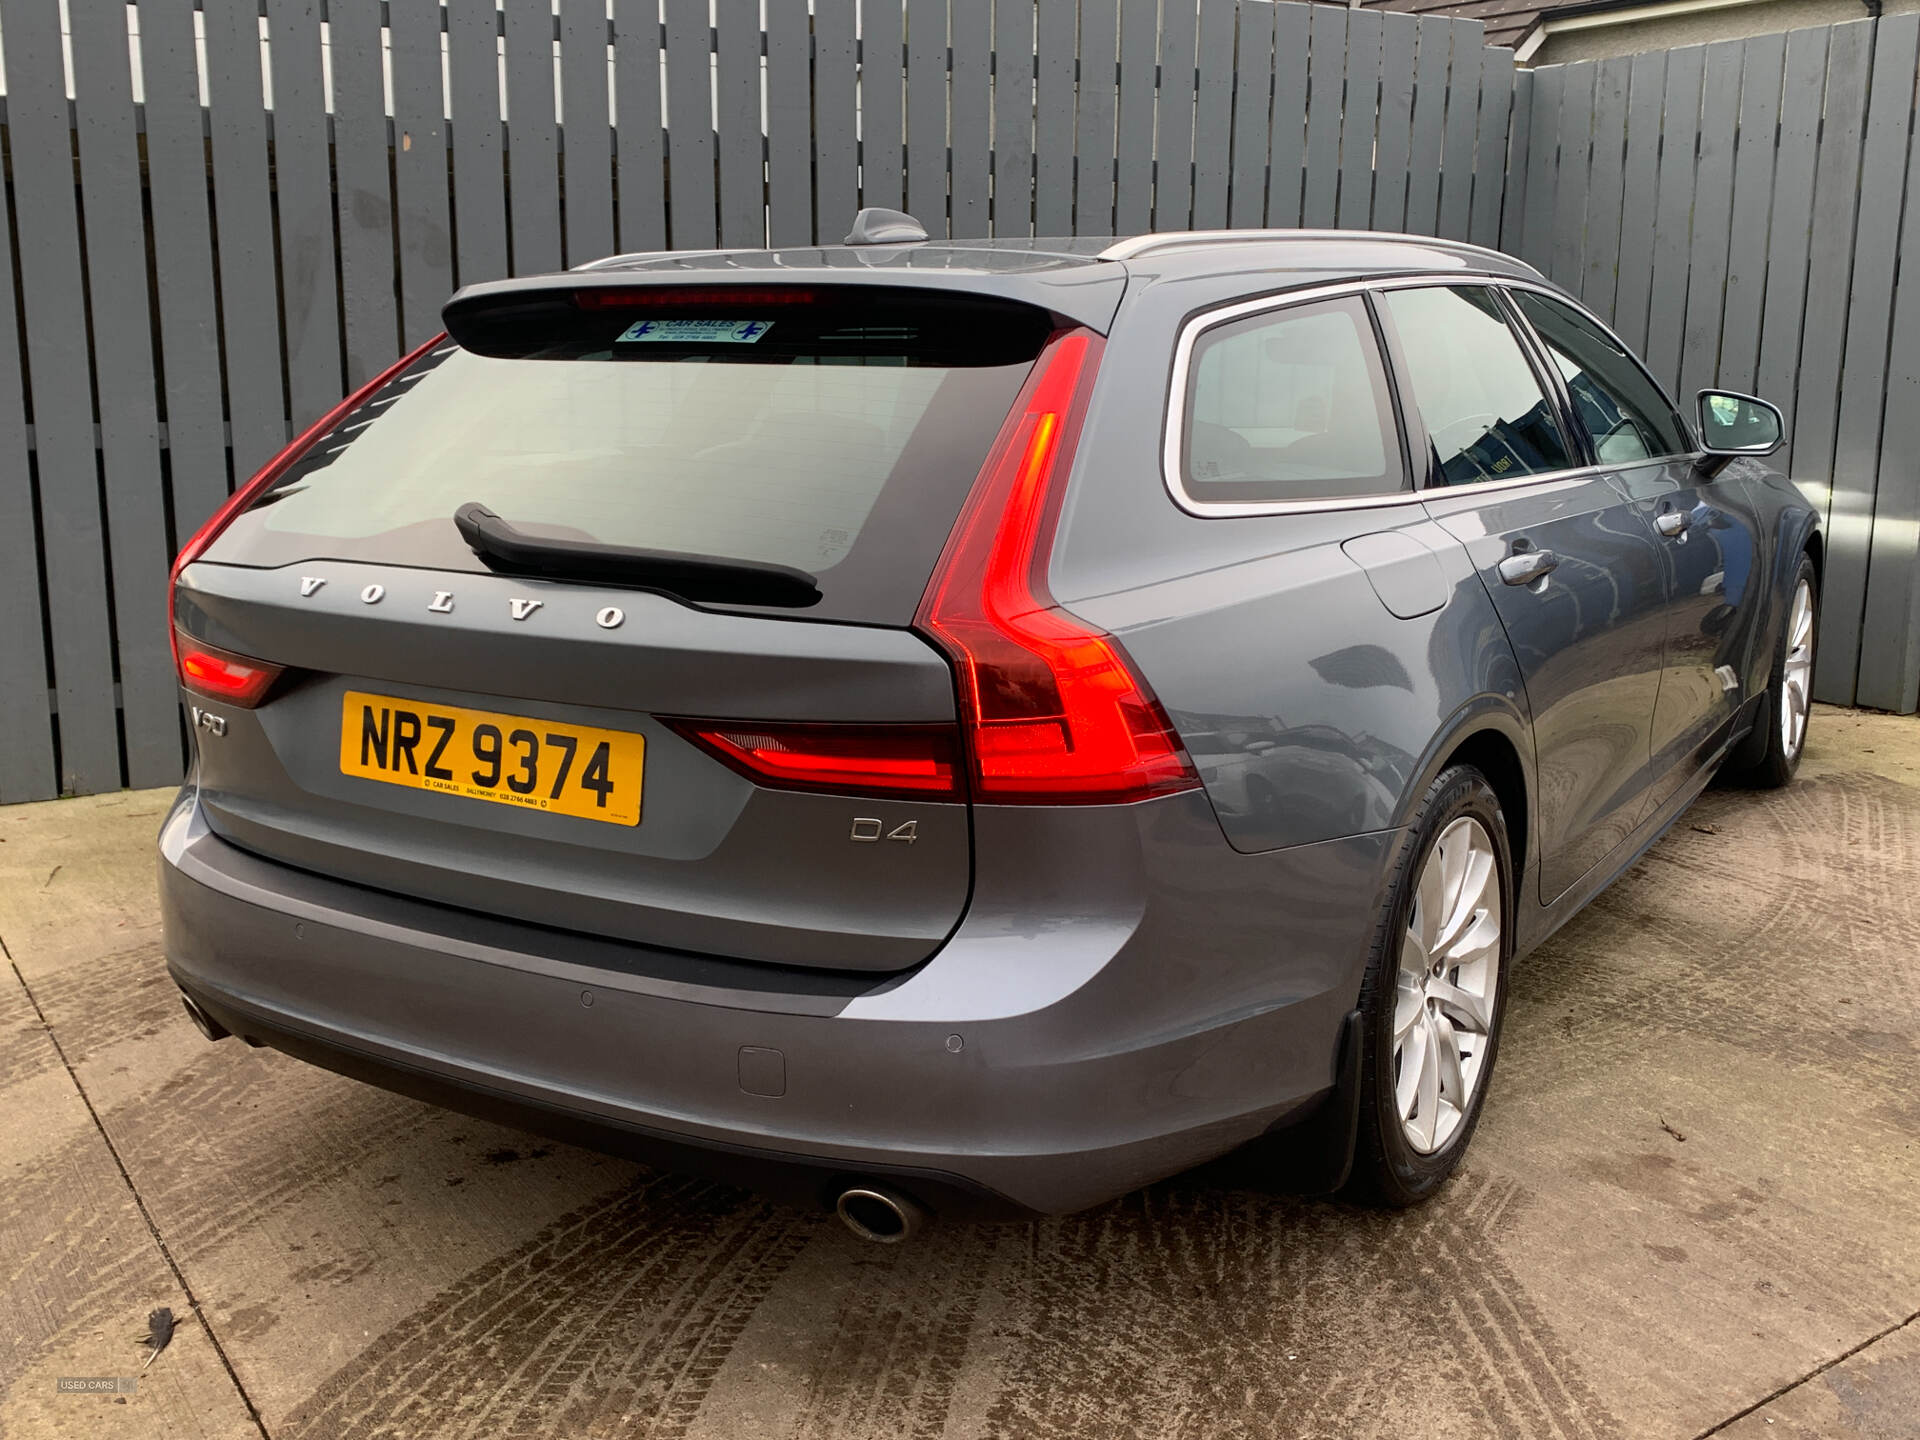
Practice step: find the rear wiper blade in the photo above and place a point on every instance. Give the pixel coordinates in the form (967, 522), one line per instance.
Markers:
(691, 577)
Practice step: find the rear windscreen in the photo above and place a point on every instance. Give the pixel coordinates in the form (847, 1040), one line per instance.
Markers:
(838, 436)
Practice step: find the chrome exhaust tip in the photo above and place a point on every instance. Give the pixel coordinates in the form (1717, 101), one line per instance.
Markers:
(879, 1215)
(203, 1022)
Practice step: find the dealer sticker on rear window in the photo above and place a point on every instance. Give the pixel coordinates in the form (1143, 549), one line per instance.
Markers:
(697, 332)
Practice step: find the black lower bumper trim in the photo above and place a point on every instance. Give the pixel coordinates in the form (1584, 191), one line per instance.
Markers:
(797, 1180)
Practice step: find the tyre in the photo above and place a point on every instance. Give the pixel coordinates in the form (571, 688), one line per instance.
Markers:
(1771, 752)
(1435, 994)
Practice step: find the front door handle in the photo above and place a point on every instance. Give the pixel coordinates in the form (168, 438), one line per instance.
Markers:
(1526, 566)
(1671, 523)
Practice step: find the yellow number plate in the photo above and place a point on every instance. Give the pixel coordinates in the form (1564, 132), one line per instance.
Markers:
(484, 755)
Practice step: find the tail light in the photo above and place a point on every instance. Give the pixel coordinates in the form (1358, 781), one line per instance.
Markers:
(916, 760)
(245, 496)
(221, 674)
(1052, 708)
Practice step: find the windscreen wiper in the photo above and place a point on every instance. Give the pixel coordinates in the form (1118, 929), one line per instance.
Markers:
(691, 577)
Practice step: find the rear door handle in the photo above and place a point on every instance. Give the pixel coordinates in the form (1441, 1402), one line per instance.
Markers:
(1671, 523)
(1527, 566)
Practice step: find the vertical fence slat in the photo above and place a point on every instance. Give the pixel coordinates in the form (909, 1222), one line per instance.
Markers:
(1326, 81)
(882, 119)
(479, 183)
(365, 193)
(58, 375)
(1752, 203)
(789, 128)
(587, 159)
(1490, 146)
(1836, 186)
(1513, 201)
(736, 81)
(1668, 297)
(1640, 191)
(243, 220)
(1252, 120)
(1712, 218)
(1287, 146)
(1543, 156)
(1463, 117)
(303, 192)
(1566, 256)
(26, 720)
(123, 372)
(927, 114)
(533, 141)
(972, 40)
(420, 168)
(1359, 132)
(183, 266)
(1053, 122)
(690, 126)
(1173, 146)
(1093, 129)
(640, 174)
(835, 147)
(1399, 33)
(1212, 117)
(1606, 197)
(1863, 396)
(1139, 55)
(1890, 632)
(1013, 45)
(1429, 122)
(1803, 90)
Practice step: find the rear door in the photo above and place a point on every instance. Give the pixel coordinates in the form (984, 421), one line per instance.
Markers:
(1572, 570)
(1709, 532)
(753, 775)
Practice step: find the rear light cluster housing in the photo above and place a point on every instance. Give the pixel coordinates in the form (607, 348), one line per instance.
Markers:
(220, 674)
(1052, 710)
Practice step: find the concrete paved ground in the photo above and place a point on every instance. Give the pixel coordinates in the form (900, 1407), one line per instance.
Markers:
(1691, 1209)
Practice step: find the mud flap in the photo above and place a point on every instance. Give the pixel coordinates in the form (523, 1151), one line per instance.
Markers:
(1310, 1154)
(1314, 1156)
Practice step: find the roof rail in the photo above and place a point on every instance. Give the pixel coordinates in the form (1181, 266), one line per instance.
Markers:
(1138, 245)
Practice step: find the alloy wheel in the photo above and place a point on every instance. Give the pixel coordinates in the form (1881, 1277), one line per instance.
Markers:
(1796, 677)
(1444, 993)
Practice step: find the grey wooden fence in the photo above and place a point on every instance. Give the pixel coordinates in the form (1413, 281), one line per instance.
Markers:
(212, 247)
(1748, 214)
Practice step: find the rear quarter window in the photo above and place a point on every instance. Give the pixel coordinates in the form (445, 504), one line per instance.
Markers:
(1289, 404)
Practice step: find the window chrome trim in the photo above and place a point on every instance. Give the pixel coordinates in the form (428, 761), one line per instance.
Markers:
(1173, 439)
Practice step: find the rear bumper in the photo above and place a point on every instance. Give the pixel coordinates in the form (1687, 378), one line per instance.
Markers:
(1186, 1000)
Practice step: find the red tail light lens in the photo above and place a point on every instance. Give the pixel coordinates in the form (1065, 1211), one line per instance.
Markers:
(222, 675)
(867, 759)
(272, 471)
(1053, 710)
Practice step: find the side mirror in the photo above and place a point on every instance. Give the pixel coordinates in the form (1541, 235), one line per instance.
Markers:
(1735, 424)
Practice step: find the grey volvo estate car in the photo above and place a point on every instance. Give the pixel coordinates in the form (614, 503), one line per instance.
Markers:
(974, 726)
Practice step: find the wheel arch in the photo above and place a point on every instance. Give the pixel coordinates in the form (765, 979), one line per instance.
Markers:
(1494, 756)
(1498, 741)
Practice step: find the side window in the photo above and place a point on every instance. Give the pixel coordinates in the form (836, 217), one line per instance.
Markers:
(1483, 406)
(1621, 407)
(1290, 405)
